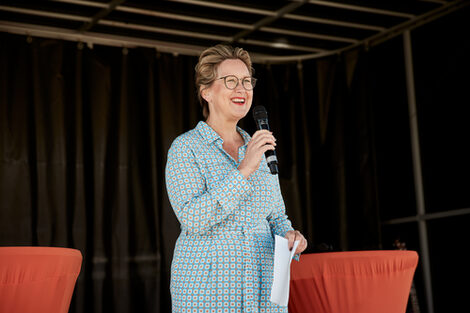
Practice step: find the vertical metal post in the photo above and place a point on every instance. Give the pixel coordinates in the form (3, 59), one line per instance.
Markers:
(417, 173)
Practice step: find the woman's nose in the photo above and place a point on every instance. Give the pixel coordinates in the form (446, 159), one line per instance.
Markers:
(239, 86)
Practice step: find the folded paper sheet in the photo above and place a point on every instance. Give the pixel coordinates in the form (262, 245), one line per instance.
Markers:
(282, 260)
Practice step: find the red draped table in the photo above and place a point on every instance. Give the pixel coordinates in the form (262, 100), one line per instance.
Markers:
(352, 282)
(37, 279)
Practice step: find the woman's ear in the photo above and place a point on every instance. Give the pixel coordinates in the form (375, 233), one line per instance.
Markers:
(205, 94)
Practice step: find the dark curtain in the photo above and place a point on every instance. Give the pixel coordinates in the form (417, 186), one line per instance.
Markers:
(84, 137)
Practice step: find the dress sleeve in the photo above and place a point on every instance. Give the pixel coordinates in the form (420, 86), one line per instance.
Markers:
(278, 220)
(196, 207)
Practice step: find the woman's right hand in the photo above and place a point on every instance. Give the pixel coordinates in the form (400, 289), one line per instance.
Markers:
(262, 141)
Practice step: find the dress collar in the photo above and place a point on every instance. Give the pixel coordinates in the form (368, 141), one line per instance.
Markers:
(211, 135)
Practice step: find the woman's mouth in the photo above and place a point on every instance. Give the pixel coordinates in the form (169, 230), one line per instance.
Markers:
(238, 100)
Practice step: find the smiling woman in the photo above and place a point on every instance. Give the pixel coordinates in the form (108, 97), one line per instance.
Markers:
(228, 203)
(209, 64)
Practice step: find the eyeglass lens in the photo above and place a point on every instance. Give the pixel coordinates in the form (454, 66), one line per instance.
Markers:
(231, 82)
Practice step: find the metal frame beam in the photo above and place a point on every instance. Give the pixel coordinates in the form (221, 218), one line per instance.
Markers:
(186, 18)
(359, 8)
(101, 14)
(272, 13)
(428, 216)
(45, 14)
(417, 171)
(268, 20)
(333, 22)
(129, 42)
(230, 7)
(163, 30)
(97, 38)
(308, 35)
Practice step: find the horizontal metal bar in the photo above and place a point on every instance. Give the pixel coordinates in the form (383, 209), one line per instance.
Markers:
(280, 45)
(230, 7)
(45, 13)
(205, 36)
(332, 22)
(97, 38)
(111, 40)
(84, 3)
(267, 20)
(435, 1)
(428, 216)
(359, 8)
(164, 30)
(181, 17)
(101, 15)
(308, 35)
(189, 18)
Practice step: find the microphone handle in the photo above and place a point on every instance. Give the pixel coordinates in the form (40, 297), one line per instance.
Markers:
(271, 157)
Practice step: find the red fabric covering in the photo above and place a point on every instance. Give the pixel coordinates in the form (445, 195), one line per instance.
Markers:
(37, 279)
(352, 282)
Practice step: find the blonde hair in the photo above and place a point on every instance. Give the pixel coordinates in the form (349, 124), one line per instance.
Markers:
(206, 68)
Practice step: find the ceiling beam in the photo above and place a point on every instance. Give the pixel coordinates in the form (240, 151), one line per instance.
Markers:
(189, 18)
(163, 30)
(268, 20)
(46, 14)
(308, 35)
(100, 15)
(230, 7)
(280, 45)
(84, 3)
(332, 22)
(93, 38)
(181, 17)
(360, 8)
(435, 1)
(97, 38)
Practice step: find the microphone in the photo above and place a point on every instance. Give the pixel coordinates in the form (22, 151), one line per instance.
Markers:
(261, 119)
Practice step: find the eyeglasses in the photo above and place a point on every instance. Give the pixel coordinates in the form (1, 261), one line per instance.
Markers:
(231, 82)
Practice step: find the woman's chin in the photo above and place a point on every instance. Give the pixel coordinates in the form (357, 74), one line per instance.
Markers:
(241, 111)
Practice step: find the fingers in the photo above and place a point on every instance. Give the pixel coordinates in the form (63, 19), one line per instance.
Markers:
(261, 138)
(262, 141)
(290, 236)
(302, 243)
(294, 235)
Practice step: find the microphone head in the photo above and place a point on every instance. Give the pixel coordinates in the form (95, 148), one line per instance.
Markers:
(260, 113)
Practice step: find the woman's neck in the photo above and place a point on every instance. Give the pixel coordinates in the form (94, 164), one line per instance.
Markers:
(226, 130)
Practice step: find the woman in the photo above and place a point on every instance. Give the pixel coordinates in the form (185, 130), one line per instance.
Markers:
(223, 194)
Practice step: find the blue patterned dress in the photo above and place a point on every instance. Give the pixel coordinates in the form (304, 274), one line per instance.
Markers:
(223, 259)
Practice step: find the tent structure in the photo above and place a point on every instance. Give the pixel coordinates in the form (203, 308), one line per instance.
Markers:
(273, 31)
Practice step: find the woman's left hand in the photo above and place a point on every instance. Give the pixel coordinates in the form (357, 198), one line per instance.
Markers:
(293, 235)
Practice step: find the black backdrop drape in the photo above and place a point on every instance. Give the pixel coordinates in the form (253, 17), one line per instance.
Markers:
(84, 135)
(84, 141)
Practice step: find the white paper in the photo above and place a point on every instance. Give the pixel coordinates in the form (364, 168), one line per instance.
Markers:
(282, 259)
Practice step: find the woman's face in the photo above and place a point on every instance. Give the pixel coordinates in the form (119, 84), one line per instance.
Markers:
(226, 104)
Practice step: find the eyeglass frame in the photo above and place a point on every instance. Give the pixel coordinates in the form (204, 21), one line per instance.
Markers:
(253, 82)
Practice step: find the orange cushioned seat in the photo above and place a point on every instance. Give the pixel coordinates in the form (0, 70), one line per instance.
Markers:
(37, 279)
(352, 282)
